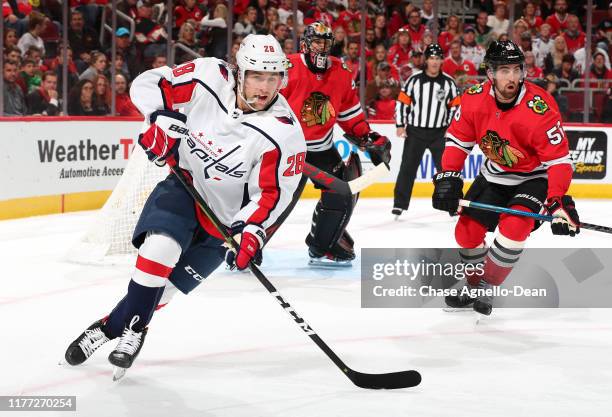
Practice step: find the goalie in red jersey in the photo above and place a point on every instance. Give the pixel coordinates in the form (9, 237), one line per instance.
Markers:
(527, 167)
(321, 93)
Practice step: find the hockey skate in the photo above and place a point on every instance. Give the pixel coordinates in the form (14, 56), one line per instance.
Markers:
(397, 212)
(483, 305)
(127, 350)
(86, 344)
(460, 302)
(341, 254)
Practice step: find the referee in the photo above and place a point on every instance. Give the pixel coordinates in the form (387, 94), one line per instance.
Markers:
(423, 111)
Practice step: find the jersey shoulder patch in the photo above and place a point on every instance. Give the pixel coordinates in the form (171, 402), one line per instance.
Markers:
(224, 70)
(288, 120)
(475, 89)
(538, 105)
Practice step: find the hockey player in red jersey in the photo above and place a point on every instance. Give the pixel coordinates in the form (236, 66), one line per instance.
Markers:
(517, 126)
(321, 93)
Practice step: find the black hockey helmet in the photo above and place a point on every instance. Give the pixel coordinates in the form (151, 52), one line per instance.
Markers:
(317, 60)
(503, 53)
(434, 50)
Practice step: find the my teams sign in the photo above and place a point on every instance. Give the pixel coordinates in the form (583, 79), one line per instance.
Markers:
(588, 149)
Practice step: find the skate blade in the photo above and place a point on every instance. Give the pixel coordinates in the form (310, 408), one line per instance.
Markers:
(325, 263)
(396, 218)
(118, 373)
(481, 318)
(457, 309)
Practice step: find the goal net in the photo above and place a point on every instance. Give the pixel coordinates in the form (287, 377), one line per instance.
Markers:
(109, 239)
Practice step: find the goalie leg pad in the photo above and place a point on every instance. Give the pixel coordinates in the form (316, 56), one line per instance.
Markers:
(332, 215)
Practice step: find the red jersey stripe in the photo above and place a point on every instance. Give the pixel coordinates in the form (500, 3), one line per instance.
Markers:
(268, 183)
(152, 268)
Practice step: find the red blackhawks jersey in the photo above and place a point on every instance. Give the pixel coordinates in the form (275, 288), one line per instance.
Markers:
(321, 100)
(525, 142)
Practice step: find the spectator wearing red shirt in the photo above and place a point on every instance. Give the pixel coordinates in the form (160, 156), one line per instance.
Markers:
(452, 32)
(399, 53)
(415, 28)
(558, 20)
(187, 11)
(123, 103)
(382, 75)
(531, 69)
(574, 37)
(350, 19)
(383, 107)
(456, 66)
(319, 13)
(529, 16)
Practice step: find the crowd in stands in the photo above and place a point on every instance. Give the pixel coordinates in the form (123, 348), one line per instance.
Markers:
(550, 33)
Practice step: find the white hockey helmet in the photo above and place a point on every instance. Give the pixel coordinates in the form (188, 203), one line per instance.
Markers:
(261, 53)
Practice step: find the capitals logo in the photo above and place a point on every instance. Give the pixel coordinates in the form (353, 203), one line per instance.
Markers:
(538, 105)
(214, 157)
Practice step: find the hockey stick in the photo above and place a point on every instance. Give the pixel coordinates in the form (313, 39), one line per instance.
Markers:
(392, 380)
(537, 216)
(327, 180)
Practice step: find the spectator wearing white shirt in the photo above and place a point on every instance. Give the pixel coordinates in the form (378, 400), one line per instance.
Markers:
(470, 50)
(498, 22)
(36, 25)
(286, 9)
(246, 25)
(580, 56)
(543, 44)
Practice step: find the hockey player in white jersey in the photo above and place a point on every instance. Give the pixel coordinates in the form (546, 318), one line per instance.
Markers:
(240, 143)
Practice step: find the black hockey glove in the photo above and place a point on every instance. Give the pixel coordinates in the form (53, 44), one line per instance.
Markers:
(378, 146)
(448, 190)
(567, 221)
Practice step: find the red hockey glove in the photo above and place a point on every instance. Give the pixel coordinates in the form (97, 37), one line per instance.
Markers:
(567, 221)
(161, 140)
(448, 190)
(251, 240)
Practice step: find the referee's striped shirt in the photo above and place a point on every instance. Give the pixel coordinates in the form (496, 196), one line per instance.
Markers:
(426, 102)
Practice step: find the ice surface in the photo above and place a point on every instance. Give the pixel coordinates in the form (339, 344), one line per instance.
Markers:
(227, 349)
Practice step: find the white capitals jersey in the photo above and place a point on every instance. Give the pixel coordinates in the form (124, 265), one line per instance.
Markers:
(245, 165)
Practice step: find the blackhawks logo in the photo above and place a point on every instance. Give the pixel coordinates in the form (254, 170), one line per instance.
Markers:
(475, 89)
(317, 110)
(498, 150)
(538, 105)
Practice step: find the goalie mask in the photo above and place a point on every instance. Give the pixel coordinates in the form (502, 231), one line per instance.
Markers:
(316, 45)
(260, 53)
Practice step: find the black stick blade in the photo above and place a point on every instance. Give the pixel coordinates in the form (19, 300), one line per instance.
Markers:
(392, 380)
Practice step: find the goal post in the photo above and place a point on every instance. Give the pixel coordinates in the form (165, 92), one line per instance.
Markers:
(108, 240)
